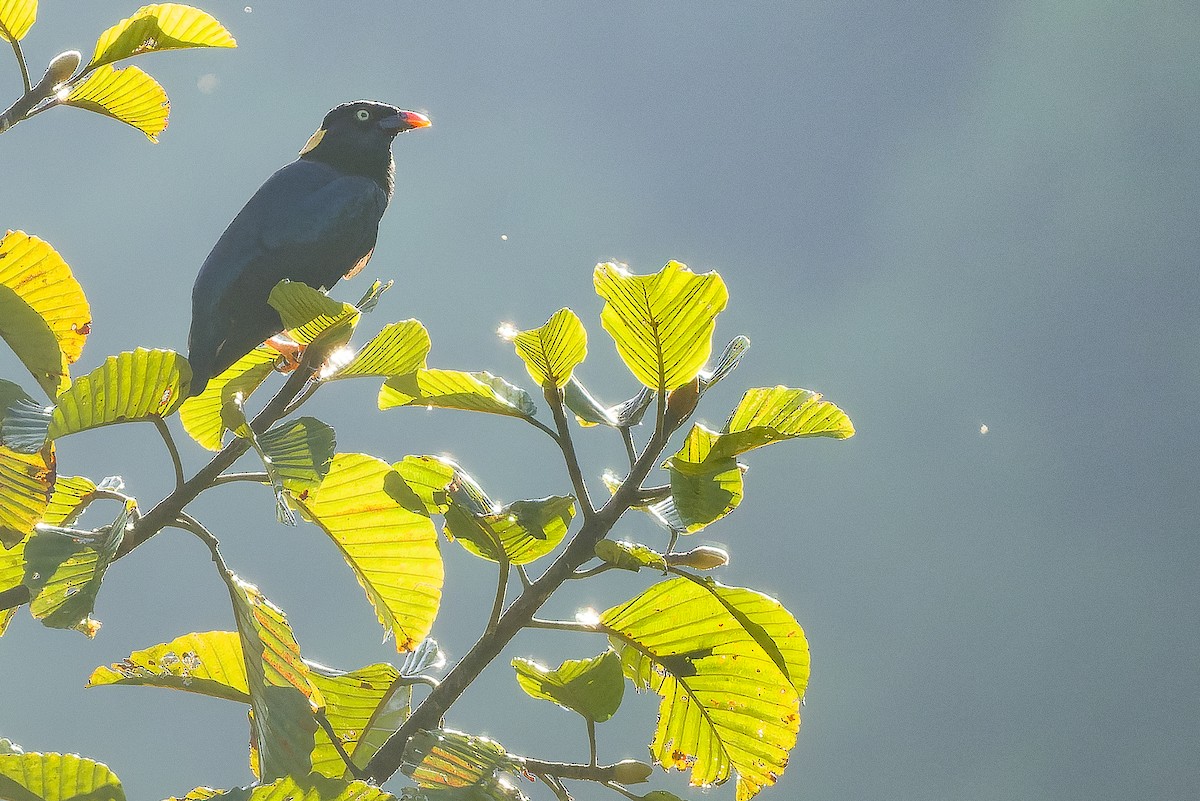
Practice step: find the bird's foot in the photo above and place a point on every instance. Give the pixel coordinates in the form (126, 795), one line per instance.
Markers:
(290, 352)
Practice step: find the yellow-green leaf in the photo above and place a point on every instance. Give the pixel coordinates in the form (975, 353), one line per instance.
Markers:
(592, 687)
(310, 788)
(44, 315)
(134, 385)
(57, 777)
(630, 555)
(162, 26)
(522, 531)
(67, 500)
(207, 663)
(202, 415)
(444, 758)
(364, 708)
(429, 477)
(282, 695)
(704, 497)
(386, 536)
(64, 569)
(309, 314)
(551, 353)
(299, 452)
(731, 665)
(663, 323)
(399, 348)
(26, 482)
(16, 18)
(454, 389)
(127, 95)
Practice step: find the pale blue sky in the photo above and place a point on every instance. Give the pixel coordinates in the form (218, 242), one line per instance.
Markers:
(942, 215)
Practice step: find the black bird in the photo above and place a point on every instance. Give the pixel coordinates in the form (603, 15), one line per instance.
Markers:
(314, 221)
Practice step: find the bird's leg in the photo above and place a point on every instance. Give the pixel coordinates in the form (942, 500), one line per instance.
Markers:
(290, 351)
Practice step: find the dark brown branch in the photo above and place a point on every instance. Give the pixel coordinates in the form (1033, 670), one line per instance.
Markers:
(554, 398)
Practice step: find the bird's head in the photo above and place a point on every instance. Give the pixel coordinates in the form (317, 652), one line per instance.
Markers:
(357, 137)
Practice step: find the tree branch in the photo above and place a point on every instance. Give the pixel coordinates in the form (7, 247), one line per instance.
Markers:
(229, 478)
(519, 614)
(554, 398)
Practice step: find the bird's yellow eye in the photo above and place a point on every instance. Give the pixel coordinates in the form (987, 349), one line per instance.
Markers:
(363, 115)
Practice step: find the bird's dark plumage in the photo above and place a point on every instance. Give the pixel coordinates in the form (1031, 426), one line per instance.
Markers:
(314, 221)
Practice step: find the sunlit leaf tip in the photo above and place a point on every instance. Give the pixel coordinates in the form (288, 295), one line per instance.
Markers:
(663, 323)
(127, 95)
(161, 26)
(16, 18)
(552, 351)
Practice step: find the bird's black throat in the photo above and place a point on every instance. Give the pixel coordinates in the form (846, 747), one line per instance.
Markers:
(374, 163)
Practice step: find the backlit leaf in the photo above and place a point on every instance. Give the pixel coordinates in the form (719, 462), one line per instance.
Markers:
(384, 532)
(364, 707)
(662, 324)
(16, 18)
(630, 555)
(429, 477)
(57, 777)
(522, 531)
(312, 788)
(444, 758)
(282, 695)
(309, 315)
(554, 350)
(67, 500)
(26, 482)
(731, 665)
(134, 385)
(207, 663)
(592, 687)
(454, 389)
(399, 348)
(162, 26)
(300, 452)
(44, 315)
(64, 569)
(703, 497)
(202, 415)
(127, 95)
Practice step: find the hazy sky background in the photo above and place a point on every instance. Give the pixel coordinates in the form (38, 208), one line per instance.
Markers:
(941, 215)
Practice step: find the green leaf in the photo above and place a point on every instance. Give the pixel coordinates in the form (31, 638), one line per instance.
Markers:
(701, 498)
(429, 477)
(202, 415)
(731, 666)
(64, 569)
(444, 758)
(282, 695)
(16, 18)
(311, 788)
(127, 95)
(309, 315)
(364, 708)
(384, 532)
(44, 315)
(70, 495)
(162, 26)
(764, 415)
(551, 353)
(57, 777)
(300, 452)
(399, 348)
(663, 323)
(454, 389)
(522, 531)
(630, 555)
(134, 385)
(26, 482)
(207, 663)
(592, 687)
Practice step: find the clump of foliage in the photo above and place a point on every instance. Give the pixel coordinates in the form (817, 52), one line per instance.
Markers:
(730, 664)
(126, 94)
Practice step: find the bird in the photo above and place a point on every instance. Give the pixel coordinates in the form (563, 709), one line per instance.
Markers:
(314, 220)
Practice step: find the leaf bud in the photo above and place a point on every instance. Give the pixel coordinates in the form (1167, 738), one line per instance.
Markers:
(631, 771)
(704, 557)
(61, 68)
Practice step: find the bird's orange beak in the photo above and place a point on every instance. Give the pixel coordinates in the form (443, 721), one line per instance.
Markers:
(404, 121)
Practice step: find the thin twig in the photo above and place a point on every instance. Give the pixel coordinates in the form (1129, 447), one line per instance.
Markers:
(337, 744)
(560, 625)
(567, 446)
(595, 571)
(16, 46)
(526, 582)
(630, 450)
(229, 478)
(619, 789)
(591, 732)
(536, 423)
(299, 400)
(169, 441)
(501, 589)
(569, 770)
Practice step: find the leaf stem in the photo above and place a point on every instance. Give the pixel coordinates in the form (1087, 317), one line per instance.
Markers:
(501, 589)
(595, 571)
(567, 446)
(569, 770)
(337, 744)
(630, 450)
(591, 733)
(169, 441)
(536, 423)
(526, 582)
(229, 478)
(16, 46)
(560, 625)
